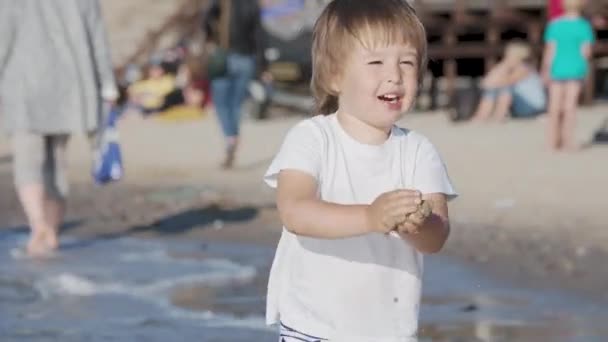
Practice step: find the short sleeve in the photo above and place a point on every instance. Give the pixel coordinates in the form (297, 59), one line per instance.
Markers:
(549, 33)
(301, 150)
(430, 174)
(588, 36)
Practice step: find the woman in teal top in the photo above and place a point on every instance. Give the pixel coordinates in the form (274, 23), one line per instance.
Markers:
(565, 65)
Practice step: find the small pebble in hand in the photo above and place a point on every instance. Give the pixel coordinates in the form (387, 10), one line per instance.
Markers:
(423, 212)
(424, 209)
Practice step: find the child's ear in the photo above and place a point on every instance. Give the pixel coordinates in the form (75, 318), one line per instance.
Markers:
(335, 89)
(334, 85)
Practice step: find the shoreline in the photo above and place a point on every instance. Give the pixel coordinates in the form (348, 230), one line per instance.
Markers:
(546, 262)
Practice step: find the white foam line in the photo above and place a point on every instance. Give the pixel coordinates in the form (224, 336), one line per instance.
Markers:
(75, 285)
(159, 256)
(253, 322)
(212, 279)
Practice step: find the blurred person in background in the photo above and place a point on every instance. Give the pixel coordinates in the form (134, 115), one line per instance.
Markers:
(512, 86)
(568, 42)
(148, 95)
(190, 89)
(234, 25)
(55, 74)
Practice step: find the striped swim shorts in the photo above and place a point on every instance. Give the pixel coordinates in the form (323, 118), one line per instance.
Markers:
(287, 334)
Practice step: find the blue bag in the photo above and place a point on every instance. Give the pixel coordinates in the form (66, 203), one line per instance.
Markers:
(107, 163)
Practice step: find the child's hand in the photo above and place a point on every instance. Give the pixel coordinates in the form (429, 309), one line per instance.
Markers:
(415, 221)
(392, 209)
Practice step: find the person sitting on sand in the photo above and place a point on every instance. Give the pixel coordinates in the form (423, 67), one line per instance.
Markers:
(191, 93)
(149, 94)
(512, 86)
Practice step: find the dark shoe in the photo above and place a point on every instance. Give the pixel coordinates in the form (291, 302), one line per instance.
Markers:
(601, 137)
(229, 160)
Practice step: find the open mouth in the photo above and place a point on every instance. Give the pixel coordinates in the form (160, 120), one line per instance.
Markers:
(390, 98)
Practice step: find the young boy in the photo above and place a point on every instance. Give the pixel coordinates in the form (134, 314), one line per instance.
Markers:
(360, 199)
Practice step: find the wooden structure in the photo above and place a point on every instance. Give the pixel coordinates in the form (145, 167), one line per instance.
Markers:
(467, 29)
(184, 22)
(460, 32)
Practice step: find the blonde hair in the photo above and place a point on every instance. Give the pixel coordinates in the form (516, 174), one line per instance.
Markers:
(371, 23)
(573, 5)
(517, 50)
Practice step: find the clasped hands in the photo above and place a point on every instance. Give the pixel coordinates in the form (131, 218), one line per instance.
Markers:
(403, 211)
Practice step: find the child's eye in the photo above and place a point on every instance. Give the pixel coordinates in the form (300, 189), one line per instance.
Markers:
(375, 63)
(407, 63)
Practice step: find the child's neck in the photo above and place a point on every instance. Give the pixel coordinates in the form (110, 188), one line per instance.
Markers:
(572, 14)
(362, 131)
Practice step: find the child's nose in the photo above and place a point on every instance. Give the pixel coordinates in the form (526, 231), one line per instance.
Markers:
(394, 75)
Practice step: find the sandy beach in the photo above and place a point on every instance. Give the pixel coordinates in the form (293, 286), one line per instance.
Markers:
(525, 215)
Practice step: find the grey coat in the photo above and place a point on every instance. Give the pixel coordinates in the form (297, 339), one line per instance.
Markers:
(55, 66)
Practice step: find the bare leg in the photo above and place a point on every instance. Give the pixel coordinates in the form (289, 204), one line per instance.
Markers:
(55, 215)
(503, 105)
(56, 186)
(29, 155)
(571, 97)
(484, 109)
(556, 91)
(40, 164)
(33, 199)
(45, 216)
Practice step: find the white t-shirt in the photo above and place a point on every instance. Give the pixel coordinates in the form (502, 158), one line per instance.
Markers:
(364, 288)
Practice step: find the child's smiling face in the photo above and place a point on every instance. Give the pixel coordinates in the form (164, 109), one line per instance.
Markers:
(378, 84)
